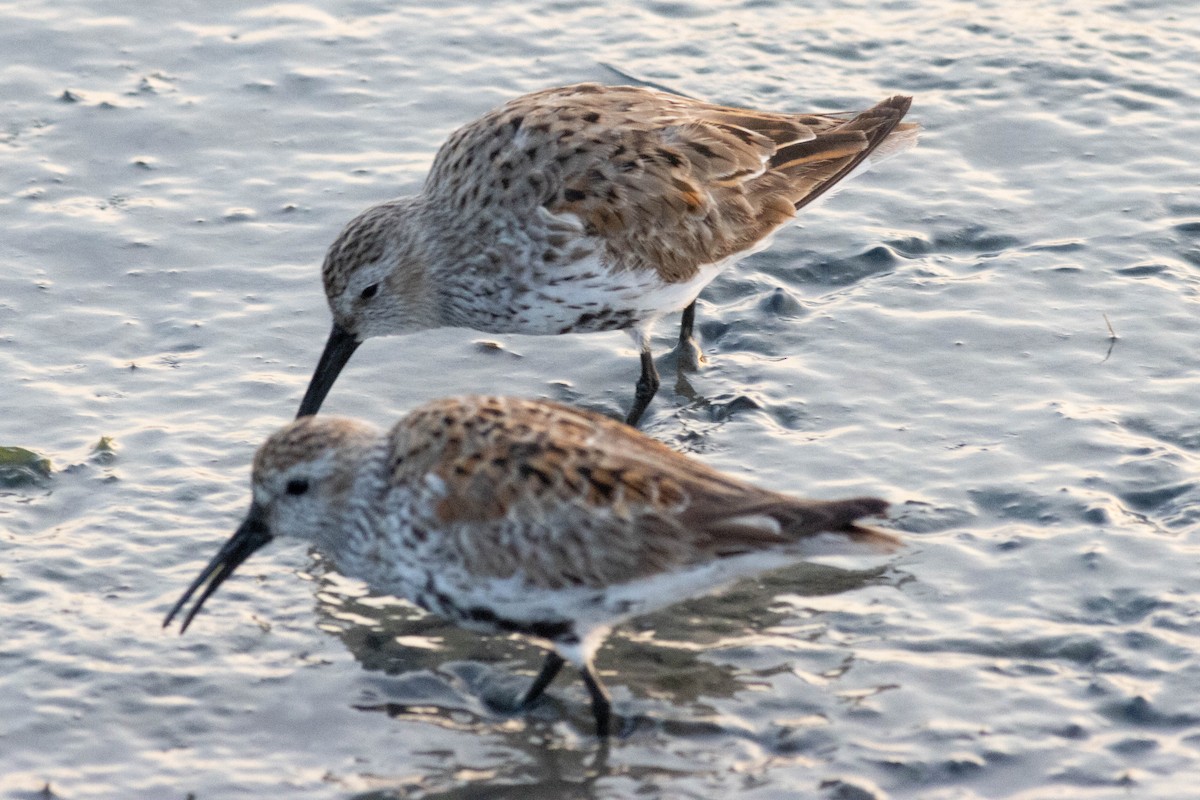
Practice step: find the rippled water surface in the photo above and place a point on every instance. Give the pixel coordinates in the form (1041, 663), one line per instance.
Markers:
(997, 331)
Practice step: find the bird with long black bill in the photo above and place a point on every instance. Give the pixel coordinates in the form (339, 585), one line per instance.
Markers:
(516, 516)
(587, 208)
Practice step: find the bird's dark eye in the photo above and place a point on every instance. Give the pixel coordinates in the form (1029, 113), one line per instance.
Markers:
(370, 291)
(297, 487)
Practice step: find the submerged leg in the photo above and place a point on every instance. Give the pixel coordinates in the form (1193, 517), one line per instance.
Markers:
(689, 352)
(601, 708)
(685, 326)
(647, 386)
(550, 668)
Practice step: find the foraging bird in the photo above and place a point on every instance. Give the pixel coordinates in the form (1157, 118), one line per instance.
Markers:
(586, 208)
(529, 517)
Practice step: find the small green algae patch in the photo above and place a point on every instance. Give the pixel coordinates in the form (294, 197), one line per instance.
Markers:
(104, 451)
(21, 467)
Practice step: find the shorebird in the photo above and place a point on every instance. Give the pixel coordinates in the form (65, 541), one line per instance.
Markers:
(587, 208)
(529, 517)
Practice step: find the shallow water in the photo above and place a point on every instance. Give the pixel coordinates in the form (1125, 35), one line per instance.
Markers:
(938, 333)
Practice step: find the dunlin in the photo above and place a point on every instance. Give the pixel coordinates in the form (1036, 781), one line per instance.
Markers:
(586, 208)
(528, 517)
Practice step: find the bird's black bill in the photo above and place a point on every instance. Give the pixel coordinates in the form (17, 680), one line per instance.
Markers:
(338, 349)
(252, 534)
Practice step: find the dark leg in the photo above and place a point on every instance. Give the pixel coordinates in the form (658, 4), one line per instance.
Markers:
(601, 708)
(647, 385)
(685, 325)
(550, 668)
(690, 355)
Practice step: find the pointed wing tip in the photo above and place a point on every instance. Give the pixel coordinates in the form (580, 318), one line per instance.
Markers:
(885, 115)
(877, 540)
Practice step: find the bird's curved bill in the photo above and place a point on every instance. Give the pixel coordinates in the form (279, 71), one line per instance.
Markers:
(252, 534)
(338, 349)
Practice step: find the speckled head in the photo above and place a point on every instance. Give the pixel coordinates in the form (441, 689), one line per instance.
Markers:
(300, 472)
(374, 274)
(308, 462)
(376, 285)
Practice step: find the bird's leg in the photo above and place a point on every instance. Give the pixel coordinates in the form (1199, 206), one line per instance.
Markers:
(550, 668)
(601, 708)
(647, 385)
(690, 354)
(685, 324)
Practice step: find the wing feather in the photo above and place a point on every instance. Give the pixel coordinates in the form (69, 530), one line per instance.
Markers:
(668, 184)
(567, 497)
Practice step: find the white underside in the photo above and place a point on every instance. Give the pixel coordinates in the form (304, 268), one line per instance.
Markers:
(591, 286)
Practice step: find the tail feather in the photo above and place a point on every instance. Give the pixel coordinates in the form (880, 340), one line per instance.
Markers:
(877, 124)
(876, 541)
(830, 147)
(840, 517)
(840, 533)
(781, 521)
